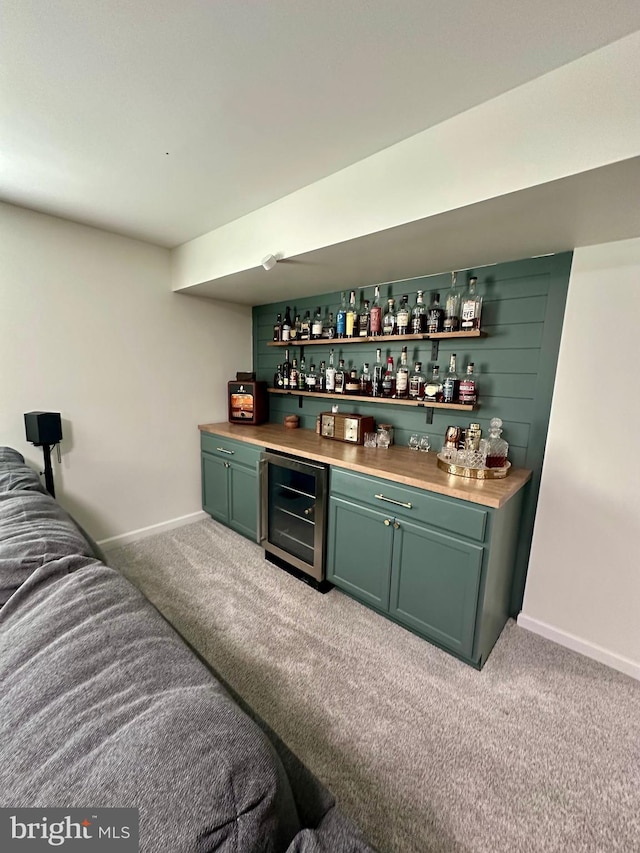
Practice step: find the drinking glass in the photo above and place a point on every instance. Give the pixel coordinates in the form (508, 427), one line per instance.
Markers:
(424, 443)
(414, 442)
(370, 439)
(384, 439)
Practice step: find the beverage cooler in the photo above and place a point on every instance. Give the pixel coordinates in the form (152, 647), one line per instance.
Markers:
(293, 501)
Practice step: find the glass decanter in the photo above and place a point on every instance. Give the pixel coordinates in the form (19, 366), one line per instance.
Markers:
(496, 447)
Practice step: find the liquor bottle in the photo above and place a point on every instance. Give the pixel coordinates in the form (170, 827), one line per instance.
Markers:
(497, 448)
(365, 381)
(286, 325)
(329, 328)
(402, 377)
(278, 381)
(296, 328)
(351, 320)
(330, 384)
(376, 379)
(388, 380)
(471, 308)
(433, 386)
(311, 382)
(341, 319)
(452, 307)
(305, 328)
(277, 328)
(321, 385)
(340, 377)
(468, 392)
(375, 319)
(417, 381)
(451, 382)
(403, 316)
(418, 315)
(389, 325)
(293, 375)
(316, 326)
(286, 370)
(352, 381)
(435, 316)
(302, 375)
(363, 320)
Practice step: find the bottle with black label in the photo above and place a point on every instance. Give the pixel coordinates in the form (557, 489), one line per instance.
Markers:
(305, 327)
(365, 381)
(376, 379)
(418, 315)
(278, 381)
(450, 386)
(277, 328)
(340, 378)
(363, 322)
(286, 370)
(417, 381)
(352, 382)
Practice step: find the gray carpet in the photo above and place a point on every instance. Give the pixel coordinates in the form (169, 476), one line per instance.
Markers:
(538, 752)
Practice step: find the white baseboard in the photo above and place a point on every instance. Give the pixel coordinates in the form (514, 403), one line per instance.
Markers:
(583, 647)
(135, 535)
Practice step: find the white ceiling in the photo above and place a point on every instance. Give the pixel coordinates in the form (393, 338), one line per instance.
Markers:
(165, 120)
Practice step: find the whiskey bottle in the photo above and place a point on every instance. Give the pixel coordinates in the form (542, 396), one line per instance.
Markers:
(302, 375)
(341, 319)
(305, 328)
(363, 320)
(352, 381)
(286, 370)
(311, 379)
(322, 378)
(376, 379)
(365, 381)
(351, 324)
(471, 308)
(435, 316)
(286, 325)
(388, 380)
(316, 326)
(497, 448)
(468, 392)
(452, 307)
(417, 381)
(418, 315)
(433, 386)
(340, 378)
(278, 381)
(451, 382)
(330, 384)
(296, 328)
(293, 375)
(375, 320)
(277, 328)
(329, 329)
(402, 317)
(402, 377)
(389, 325)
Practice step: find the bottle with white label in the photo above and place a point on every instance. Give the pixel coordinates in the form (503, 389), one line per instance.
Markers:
(471, 308)
(403, 316)
(316, 326)
(330, 376)
(402, 377)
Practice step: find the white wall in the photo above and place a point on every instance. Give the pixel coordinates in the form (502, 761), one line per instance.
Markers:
(583, 585)
(89, 327)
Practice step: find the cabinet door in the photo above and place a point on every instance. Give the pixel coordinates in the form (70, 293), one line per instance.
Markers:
(243, 500)
(434, 585)
(215, 499)
(359, 551)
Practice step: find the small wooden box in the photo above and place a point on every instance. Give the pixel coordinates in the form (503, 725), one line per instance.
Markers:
(344, 427)
(248, 402)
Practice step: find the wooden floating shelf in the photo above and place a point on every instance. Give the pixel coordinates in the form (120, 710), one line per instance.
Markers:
(421, 404)
(476, 333)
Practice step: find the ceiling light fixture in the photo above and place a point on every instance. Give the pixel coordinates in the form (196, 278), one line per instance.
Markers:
(269, 262)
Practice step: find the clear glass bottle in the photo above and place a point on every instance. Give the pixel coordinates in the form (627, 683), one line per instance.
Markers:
(322, 378)
(433, 386)
(403, 316)
(497, 448)
(330, 379)
(418, 315)
(417, 382)
(467, 391)
(365, 381)
(376, 379)
(277, 328)
(471, 308)
(351, 321)
(341, 319)
(452, 307)
(329, 329)
(402, 377)
(435, 316)
(388, 380)
(296, 327)
(340, 378)
(451, 382)
(389, 325)
(311, 381)
(286, 325)
(363, 320)
(375, 320)
(316, 326)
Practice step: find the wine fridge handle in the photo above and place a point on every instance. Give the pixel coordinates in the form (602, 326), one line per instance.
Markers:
(408, 505)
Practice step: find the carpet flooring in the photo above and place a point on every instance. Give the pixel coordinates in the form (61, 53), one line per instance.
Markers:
(540, 751)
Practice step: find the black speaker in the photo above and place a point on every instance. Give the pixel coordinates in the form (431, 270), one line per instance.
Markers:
(43, 427)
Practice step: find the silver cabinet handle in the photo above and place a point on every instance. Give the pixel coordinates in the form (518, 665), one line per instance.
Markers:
(391, 501)
(222, 450)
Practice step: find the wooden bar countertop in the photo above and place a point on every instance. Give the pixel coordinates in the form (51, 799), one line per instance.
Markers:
(397, 463)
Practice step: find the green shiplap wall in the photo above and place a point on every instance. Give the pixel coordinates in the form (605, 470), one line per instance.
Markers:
(515, 362)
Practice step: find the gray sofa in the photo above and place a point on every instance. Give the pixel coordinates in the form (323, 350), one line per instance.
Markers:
(102, 704)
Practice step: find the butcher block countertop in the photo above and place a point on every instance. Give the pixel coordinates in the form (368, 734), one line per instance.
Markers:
(398, 464)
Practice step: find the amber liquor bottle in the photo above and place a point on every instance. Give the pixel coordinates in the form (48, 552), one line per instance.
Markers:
(467, 391)
(388, 380)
